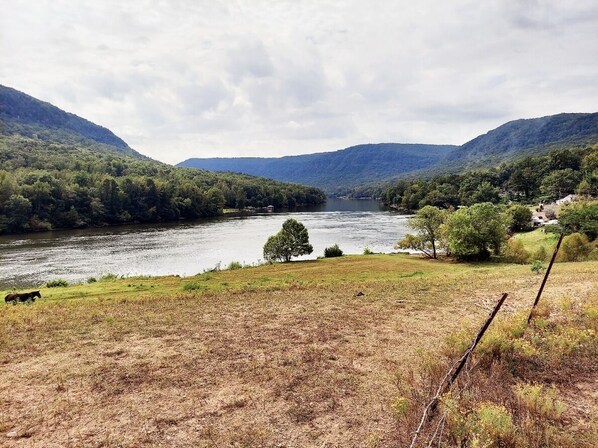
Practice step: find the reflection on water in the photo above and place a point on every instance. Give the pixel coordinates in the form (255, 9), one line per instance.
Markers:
(189, 248)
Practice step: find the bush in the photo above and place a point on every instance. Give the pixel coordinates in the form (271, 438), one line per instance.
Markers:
(58, 283)
(333, 251)
(540, 254)
(193, 286)
(92, 280)
(514, 252)
(108, 277)
(575, 247)
(367, 251)
(582, 218)
(538, 267)
(234, 265)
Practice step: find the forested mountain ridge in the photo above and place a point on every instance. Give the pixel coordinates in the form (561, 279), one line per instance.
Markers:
(22, 114)
(362, 169)
(527, 136)
(334, 170)
(61, 171)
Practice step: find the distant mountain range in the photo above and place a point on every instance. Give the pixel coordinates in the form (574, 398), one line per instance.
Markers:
(331, 170)
(27, 116)
(341, 170)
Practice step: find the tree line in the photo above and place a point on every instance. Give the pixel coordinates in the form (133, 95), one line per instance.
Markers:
(532, 178)
(44, 186)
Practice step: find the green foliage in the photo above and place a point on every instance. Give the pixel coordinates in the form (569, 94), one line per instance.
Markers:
(58, 283)
(234, 265)
(538, 267)
(472, 232)
(92, 280)
(580, 217)
(193, 286)
(531, 178)
(44, 186)
(575, 247)
(367, 251)
(514, 252)
(427, 222)
(291, 241)
(539, 399)
(108, 277)
(521, 217)
(333, 251)
(540, 254)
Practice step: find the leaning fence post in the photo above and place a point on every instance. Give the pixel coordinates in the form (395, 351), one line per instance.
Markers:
(556, 250)
(449, 378)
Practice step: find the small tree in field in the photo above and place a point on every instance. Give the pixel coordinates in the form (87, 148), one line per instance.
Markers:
(291, 241)
(426, 222)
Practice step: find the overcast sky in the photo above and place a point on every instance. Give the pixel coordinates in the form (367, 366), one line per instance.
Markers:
(205, 78)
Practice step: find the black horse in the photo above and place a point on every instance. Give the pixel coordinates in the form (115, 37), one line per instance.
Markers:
(22, 297)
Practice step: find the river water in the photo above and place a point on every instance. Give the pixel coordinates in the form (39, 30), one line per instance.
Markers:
(191, 247)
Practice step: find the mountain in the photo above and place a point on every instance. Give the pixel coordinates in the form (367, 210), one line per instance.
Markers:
(363, 167)
(60, 171)
(528, 136)
(21, 114)
(333, 170)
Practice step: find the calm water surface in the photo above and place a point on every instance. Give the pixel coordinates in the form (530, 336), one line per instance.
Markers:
(192, 247)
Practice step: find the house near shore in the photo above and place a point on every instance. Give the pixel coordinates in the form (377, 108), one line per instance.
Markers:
(566, 200)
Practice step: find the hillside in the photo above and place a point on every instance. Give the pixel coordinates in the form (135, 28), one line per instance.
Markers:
(332, 171)
(21, 114)
(365, 168)
(523, 137)
(58, 170)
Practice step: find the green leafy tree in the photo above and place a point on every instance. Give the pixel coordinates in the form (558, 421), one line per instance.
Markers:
(473, 232)
(580, 217)
(521, 217)
(560, 183)
(291, 241)
(427, 222)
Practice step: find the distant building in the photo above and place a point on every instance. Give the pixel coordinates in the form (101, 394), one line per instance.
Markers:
(566, 200)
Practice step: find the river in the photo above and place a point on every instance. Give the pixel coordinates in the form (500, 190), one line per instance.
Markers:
(189, 248)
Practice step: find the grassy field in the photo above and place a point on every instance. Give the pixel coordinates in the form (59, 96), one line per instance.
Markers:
(282, 355)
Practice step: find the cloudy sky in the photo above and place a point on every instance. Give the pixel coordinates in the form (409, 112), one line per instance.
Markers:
(205, 78)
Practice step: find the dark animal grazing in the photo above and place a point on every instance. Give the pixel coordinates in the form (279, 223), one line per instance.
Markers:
(22, 297)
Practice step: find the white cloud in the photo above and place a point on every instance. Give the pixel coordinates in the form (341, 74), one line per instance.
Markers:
(187, 78)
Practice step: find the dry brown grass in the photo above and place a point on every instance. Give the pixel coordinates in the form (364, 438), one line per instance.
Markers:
(295, 360)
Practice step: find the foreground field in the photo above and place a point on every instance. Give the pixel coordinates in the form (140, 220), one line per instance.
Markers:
(282, 355)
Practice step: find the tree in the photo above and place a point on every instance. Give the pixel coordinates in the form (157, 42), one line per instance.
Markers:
(473, 231)
(426, 222)
(580, 217)
(521, 217)
(291, 241)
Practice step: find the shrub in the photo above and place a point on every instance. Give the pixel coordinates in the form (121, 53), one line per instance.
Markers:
(575, 247)
(234, 265)
(58, 283)
(539, 399)
(92, 280)
(333, 251)
(367, 251)
(538, 267)
(193, 286)
(108, 277)
(540, 254)
(514, 252)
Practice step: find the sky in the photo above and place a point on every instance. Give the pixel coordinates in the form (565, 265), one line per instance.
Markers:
(208, 78)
